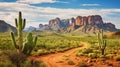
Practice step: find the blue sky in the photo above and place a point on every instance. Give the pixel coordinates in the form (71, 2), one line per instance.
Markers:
(41, 11)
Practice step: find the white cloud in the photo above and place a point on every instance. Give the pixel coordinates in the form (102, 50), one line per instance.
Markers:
(36, 15)
(90, 5)
(37, 1)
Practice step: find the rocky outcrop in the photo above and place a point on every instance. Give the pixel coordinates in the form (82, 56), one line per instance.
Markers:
(90, 20)
(95, 20)
(85, 24)
(4, 27)
(57, 24)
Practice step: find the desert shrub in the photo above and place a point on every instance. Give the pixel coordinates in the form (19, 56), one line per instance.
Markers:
(6, 44)
(92, 55)
(87, 50)
(33, 63)
(15, 58)
(109, 56)
(70, 62)
(6, 64)
(79, 54)
(42, 52)
(81, 64)
(117, 58)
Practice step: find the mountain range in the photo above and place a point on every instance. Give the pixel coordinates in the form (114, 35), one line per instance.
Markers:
(84, 24)
(5, 27)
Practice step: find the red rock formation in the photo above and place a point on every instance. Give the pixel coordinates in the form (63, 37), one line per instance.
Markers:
(86, 23)
(78, 20)
(54, 21)
(94, 20)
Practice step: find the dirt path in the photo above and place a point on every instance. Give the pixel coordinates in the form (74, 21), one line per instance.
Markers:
(60, 59)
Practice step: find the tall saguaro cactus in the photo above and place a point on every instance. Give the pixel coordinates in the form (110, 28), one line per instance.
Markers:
(20, 25)
(102, 42)
(27, 46)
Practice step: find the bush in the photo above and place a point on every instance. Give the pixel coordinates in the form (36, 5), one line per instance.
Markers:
(79, 54)
(15, 58)
(92, 55)
(80, 64)
(117, 58)
(33, 63)
(70, 62)
(87, 50)
(6, 64)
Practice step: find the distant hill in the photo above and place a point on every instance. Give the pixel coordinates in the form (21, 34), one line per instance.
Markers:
(86, 24)
(29, 29)
(4, 27)
(113, 34)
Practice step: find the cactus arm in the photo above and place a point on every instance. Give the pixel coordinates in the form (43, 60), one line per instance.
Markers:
(24, 23)
(35, 41)
(20, 19)
(16, 23)
(99, 40)
(24, 49)
(13, 40)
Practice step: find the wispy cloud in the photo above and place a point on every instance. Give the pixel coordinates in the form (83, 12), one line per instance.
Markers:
(36, 15)
(39, 1)
(90, 5)
(36, 1)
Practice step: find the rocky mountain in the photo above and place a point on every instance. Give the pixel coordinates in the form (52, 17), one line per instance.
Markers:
(4, 27)
(29, 29)
(86, 24)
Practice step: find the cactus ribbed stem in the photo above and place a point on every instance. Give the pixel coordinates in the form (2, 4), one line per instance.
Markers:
(13, 40)
(101, 42)
(27, 46)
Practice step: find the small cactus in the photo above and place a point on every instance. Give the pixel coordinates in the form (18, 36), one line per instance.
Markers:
(102, 42)
(27, 46)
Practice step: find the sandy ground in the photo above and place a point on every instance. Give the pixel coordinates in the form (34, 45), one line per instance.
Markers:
(59, 59)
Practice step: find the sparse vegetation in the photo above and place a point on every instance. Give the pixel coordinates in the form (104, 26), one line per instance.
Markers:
(70, 62)
(101, 49)
(117, 58)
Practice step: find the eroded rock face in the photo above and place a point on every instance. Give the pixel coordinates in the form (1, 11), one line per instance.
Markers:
(71, 21)
(79, 20)
(86, 24)
(91, 20)
(54, 21)
(95, 19)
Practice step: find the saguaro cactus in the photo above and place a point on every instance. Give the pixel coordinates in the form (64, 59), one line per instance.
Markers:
(102, 42)
(20, 25)
(27, 47)
(29, 44)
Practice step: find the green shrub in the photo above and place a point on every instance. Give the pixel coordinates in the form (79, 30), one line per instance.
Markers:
(87, 50)
(33, 63)
(15, 58)
(92, 55)
(79, 54)
(117, 58)
(6, 64)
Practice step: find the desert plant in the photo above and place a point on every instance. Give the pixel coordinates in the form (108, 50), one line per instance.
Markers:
(70, 62)
(92, 55)
(81, 64)
(33, 63)
(14, 57)
(117, 58)
(30, 42)
(102, 42)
